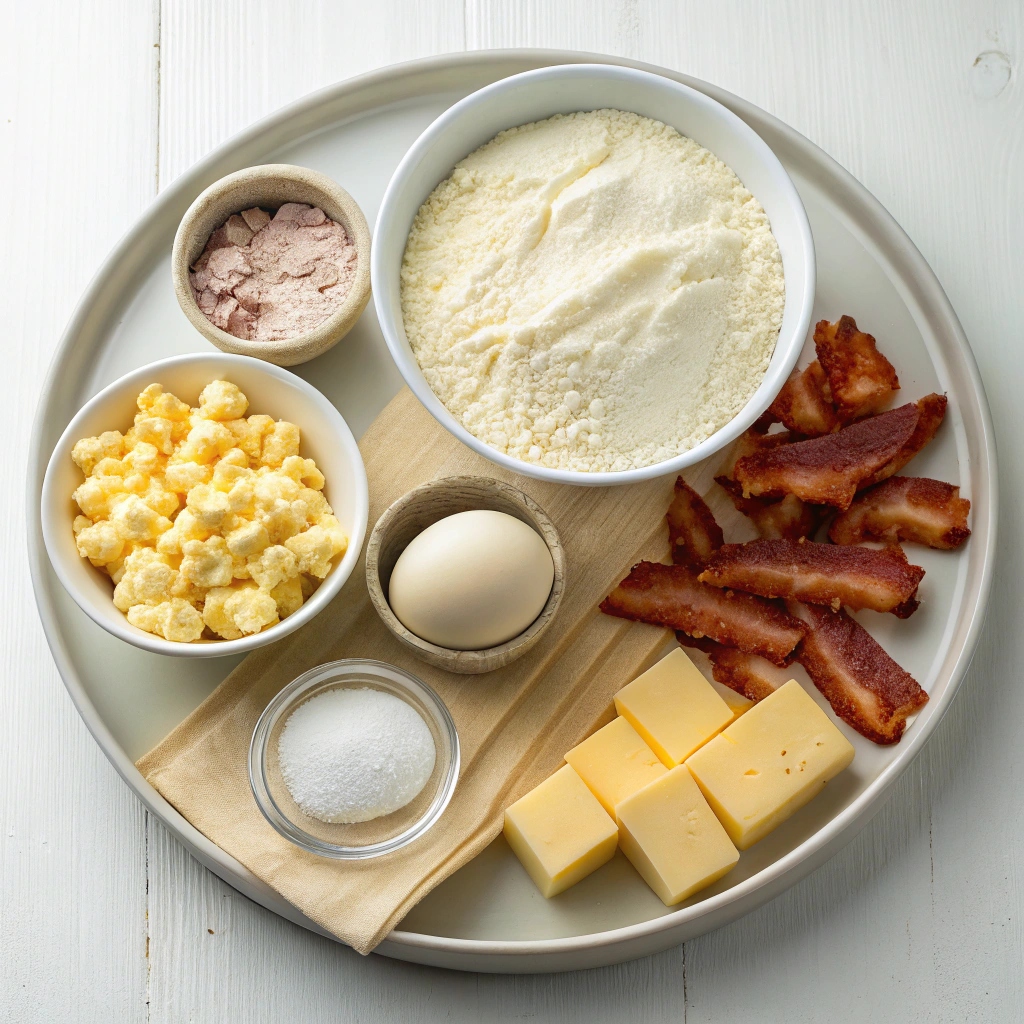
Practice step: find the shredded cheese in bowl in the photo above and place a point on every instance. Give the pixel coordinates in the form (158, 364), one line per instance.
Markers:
(210, 523)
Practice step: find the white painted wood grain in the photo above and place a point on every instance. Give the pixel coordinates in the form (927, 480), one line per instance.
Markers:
(218, 957)
(77, 166)
(920, 918)
(229, 63)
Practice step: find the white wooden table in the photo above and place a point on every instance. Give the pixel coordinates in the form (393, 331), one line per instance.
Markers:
(104, 917)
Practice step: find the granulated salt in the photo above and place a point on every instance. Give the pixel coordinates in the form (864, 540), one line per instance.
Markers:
(354, 755)
(266, 278)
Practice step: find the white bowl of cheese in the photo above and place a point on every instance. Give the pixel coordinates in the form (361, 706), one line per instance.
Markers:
(271, 390)
(594, 298)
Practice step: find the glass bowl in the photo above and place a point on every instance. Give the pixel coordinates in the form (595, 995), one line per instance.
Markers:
(365, 839)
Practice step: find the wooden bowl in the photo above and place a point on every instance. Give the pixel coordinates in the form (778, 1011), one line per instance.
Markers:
(411, 515)
(271, 186)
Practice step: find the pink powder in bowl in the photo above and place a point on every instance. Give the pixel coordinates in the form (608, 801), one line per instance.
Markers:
(266, 278)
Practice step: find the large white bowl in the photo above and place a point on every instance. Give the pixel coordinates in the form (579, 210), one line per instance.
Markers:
(270, 390)
(536, 95)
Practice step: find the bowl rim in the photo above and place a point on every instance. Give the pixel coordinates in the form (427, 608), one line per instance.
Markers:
(334, 580)
(327, 333)
(288, 699)
(485, 659)
(394, 335)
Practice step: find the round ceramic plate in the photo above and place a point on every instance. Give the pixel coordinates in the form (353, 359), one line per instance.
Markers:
(489, 916)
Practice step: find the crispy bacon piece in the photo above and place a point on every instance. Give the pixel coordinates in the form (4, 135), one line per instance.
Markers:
(754, 440)
(865, 687)
(692, 531)
(829, 574)
(803, 404)
(828, 470)
(905, 508)
(787, 518)
(749, 442)
(670, 595)
(748, 674)
(860, 379)
(931, 412)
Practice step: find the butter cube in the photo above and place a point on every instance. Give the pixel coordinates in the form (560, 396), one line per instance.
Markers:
(560, 832)
(674, 708)
(736, 701)
(672, 837)
(769, 763)
(615, 762)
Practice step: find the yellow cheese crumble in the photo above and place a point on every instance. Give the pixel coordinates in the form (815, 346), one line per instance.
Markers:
(210, 523)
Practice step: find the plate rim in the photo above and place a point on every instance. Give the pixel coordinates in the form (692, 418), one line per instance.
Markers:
(596, 948)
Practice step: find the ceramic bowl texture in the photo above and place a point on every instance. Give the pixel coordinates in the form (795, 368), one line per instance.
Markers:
(422, 507)
(271, 186)
(271, 390)
(533, 96)
(364, 839)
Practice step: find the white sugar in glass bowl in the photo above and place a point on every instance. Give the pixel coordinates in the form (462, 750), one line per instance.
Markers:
(534, 96)
(270, 389)
(363, 839)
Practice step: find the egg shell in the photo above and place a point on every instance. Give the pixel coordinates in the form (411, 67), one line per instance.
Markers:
(472, 580)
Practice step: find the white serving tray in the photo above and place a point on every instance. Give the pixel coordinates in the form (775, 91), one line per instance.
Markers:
(489, 917)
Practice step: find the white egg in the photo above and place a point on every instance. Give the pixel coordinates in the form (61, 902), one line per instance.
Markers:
(472, 580)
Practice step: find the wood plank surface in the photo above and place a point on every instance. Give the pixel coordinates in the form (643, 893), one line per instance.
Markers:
(77, 165)
(106, 918)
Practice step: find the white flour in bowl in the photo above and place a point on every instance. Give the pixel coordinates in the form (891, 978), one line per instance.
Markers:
(592, 292)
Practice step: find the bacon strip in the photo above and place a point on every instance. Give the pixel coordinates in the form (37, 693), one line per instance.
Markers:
(803, 404)
(829, 470)
(693, 534)
(751, 441)
(748, 674)
(906, 508)
(861, 380)
(819, 573)
(786, 518)
(754, 440)
(931, 412)
(865, 687)
(670, 595)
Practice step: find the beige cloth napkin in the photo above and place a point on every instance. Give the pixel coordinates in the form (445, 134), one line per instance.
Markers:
(514, 724)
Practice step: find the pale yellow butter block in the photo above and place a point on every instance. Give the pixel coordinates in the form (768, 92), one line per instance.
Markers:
(672, 837)
(615, 762)
(560, 832)
(674, 708)
(769, 763)
(738, 704)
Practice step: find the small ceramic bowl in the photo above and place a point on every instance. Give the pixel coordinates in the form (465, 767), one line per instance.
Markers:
(562, 89)
(363, 839)
(411, 515)
(271, 186)
(271, 390)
